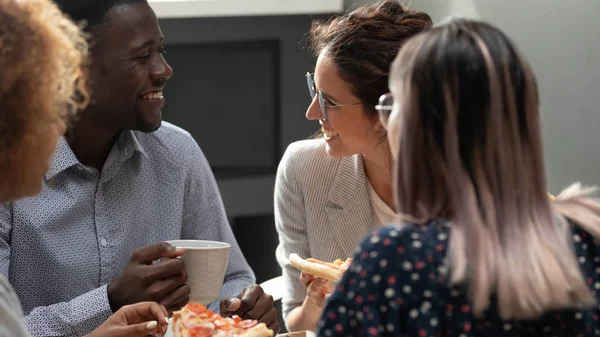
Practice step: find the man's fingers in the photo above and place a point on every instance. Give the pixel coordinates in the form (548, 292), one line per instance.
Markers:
(274, 325)
(159, 289)
(230, 305)
(179, 305)
(177, 298)
(163, 270)
(249, 298)
(270, 319)
(148, 254)
(260, 308)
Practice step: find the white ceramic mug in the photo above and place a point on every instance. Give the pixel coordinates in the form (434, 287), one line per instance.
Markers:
(205, 263)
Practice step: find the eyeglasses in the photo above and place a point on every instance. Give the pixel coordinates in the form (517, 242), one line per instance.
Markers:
(384, 108)
(312, 89)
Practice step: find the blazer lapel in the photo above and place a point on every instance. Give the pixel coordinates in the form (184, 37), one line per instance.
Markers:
(349, 208)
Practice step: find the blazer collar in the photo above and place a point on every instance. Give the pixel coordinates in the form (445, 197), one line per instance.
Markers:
(349, 207)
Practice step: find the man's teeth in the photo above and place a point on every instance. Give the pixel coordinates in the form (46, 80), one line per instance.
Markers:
(153, 95)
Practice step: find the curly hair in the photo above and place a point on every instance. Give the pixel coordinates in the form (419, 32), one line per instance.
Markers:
(364, 42)
(42, 85)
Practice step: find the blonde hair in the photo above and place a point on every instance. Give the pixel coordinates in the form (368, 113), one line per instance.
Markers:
(42, 85)
(470, 152)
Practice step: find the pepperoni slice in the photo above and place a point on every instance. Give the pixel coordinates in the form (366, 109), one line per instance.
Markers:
(196, 308)
(201, 332)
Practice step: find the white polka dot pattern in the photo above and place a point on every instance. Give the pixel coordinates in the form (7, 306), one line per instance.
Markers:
(408, 293)
(61, 248)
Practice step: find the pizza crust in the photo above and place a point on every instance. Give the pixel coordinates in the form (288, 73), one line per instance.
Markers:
(315, 269)
(175, 324)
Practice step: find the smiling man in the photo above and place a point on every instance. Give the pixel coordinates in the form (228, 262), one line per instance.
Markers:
(121, 183)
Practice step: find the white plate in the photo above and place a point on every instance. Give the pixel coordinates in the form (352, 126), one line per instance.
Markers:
(169, 332)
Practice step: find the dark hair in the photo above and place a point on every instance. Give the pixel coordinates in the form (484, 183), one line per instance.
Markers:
(363, 44)
(92, 12)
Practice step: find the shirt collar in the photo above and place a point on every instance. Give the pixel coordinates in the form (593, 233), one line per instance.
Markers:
(64, 158)
(129, 143)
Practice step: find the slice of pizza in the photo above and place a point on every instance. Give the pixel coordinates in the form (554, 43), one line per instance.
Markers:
(329, 271)
(195, 320)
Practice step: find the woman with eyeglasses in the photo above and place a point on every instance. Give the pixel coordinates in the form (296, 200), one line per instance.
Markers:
(42, 84)
(485, 252)
(331, 191)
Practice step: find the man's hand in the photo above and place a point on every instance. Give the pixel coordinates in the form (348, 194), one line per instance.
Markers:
(252, 303)
(163, 282)
(138, 320)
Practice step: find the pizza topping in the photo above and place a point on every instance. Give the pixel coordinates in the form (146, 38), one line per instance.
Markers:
(197, 321)
(195, 308)
(201, 332)
(337, 264)
(344, 266)
(330, 265)
(191, 323)
(202, 326)
(332, 271)
(247, 324)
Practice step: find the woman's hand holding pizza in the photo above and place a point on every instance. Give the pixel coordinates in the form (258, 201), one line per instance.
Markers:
(317, 289)
(317, 276)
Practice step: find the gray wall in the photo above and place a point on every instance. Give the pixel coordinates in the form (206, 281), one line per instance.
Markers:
(560, 39)
(348, 3)
(250, 195)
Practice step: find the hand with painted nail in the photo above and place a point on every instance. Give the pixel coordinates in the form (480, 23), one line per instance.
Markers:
(141, 319)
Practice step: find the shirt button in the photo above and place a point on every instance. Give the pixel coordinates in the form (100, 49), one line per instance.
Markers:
(103, 242)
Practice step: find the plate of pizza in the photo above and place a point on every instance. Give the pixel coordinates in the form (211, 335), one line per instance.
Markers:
(331, 271)
(195, 320)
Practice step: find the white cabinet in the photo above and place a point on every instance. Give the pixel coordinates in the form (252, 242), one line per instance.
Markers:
(221, 8)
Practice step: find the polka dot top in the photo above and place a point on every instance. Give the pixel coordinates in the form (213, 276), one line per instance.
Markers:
(394, 287)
